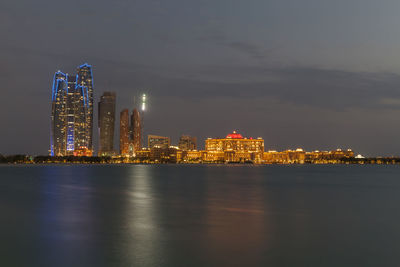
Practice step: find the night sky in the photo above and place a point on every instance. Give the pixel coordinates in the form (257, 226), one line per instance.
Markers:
(315, 74)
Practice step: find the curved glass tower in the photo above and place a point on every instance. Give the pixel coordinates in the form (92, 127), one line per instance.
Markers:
(84, 84)
(72, 113)
(59, 114)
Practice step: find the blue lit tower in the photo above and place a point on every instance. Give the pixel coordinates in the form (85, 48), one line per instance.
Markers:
(84, 86)
(71, 108)
(59, 115)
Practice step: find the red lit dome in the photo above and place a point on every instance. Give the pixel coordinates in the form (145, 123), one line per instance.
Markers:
(234, 135)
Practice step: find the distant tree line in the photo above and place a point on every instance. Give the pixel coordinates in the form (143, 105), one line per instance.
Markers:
(15, 159)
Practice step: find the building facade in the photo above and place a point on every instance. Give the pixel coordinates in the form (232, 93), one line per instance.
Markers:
(58, 132)
(187, 143)
(71, 118)
(235, 148)
(71, 113)
(136, 131)
(155, 141)
(124, 139)
(84, 84)
(106, 123)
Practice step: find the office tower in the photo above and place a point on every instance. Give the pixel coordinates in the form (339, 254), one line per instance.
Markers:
(187, 143)
(84, 83)
(58, 115)
(71, 115)
(106, 121)
(81, 121)
(124, 132)
(136, 130)
(155, 141)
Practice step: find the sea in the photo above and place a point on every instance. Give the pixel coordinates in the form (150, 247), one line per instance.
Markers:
(199, 215)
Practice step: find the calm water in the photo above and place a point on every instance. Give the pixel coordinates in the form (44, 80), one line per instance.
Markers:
(171, 215)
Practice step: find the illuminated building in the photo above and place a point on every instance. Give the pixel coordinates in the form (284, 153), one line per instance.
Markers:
(299, 156)
(192, 155)
(72, 113)
(71, 110)
(235, 148)
(84, 83)
(81, 113)
(106, 121)
(58, 132)
(136, 134)
(130, 141)
(158, 141)
(187, 143)
(285, 157)
(124, 132)
(333, 156)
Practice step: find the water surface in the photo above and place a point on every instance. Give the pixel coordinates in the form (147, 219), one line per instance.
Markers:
(199, 215)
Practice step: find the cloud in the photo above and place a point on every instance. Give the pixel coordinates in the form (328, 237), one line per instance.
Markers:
(327, 89)
(391, 102)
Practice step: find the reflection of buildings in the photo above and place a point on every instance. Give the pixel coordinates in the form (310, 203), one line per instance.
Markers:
(187, 143)
(158, 141)
(106, 122)
(72, 113)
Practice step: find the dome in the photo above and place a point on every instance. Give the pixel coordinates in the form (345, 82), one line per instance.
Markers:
(234, 135)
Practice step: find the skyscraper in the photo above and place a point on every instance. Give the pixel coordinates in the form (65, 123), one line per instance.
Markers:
(187, 143)
(72, 113)
(136, 138)
(106, 121)
(58, 130)
(124, 132)
(84, 82)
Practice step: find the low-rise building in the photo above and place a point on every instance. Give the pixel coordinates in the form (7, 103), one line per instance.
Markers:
(234, 148)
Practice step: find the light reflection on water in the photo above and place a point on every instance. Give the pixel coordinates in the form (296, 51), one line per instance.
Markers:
(171, 215)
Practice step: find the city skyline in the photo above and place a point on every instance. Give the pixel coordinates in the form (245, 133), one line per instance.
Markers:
(72, 121)
(212, 67)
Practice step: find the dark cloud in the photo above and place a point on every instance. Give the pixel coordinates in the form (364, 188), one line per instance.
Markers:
(210, 67)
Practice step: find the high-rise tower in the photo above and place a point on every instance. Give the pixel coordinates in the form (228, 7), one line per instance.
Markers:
(187, 143)
(72, 113)
(106, 121)
(71, 107)
(124, 132)
(58, 132)
(84, 83)
(136, 136)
